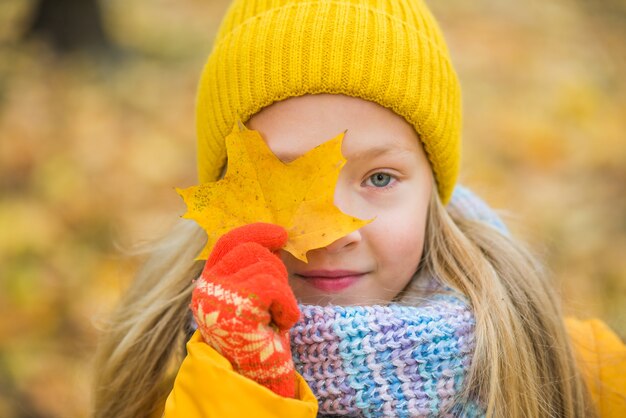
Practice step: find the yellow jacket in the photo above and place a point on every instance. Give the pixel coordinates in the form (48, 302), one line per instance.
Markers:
(601, 356)
(207, 386)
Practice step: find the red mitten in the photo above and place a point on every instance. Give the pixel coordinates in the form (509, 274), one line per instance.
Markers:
(244, 307)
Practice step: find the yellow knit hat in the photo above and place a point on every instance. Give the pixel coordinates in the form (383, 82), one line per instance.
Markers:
(390, 52)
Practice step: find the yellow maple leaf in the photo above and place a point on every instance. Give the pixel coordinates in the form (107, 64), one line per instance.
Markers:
(258, 187)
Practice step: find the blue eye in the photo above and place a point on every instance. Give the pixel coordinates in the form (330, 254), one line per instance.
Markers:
(380, 179)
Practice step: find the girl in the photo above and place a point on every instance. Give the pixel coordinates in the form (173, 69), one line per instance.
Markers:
(432, 309)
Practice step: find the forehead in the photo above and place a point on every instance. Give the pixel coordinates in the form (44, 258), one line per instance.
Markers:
(298, 124)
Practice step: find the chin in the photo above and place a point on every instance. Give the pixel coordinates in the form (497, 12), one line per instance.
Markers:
(341, 299)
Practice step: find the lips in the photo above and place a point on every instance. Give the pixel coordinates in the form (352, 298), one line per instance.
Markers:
(331, 281)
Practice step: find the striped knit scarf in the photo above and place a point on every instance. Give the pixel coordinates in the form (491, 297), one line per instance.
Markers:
(386, 361)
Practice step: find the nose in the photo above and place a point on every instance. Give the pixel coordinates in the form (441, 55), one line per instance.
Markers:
(344, 242)
(347, 202)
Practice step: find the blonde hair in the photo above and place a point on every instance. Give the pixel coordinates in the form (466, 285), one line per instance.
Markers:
(523, 363)
(141, 343)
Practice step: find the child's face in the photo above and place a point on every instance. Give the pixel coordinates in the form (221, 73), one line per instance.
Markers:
(387, 176)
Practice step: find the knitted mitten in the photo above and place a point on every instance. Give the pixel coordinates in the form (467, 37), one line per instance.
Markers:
(244, 307)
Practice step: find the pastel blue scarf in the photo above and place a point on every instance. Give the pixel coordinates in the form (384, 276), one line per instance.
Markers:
(387, 361)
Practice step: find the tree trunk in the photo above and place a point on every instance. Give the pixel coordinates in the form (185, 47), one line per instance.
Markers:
(69, 24)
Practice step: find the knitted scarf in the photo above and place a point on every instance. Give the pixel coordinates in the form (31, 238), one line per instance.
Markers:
(387, 361)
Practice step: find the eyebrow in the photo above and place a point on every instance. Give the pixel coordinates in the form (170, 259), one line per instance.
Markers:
(379, 151)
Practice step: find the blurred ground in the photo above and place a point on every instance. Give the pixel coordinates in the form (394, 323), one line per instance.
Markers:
(91, 149)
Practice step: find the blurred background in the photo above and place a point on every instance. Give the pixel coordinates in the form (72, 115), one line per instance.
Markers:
(97, 128)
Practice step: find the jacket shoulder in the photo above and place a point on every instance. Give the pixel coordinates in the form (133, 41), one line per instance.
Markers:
(207, 386)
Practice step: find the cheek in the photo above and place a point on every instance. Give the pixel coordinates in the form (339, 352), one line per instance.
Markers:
(398, 237)
(291, 263)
